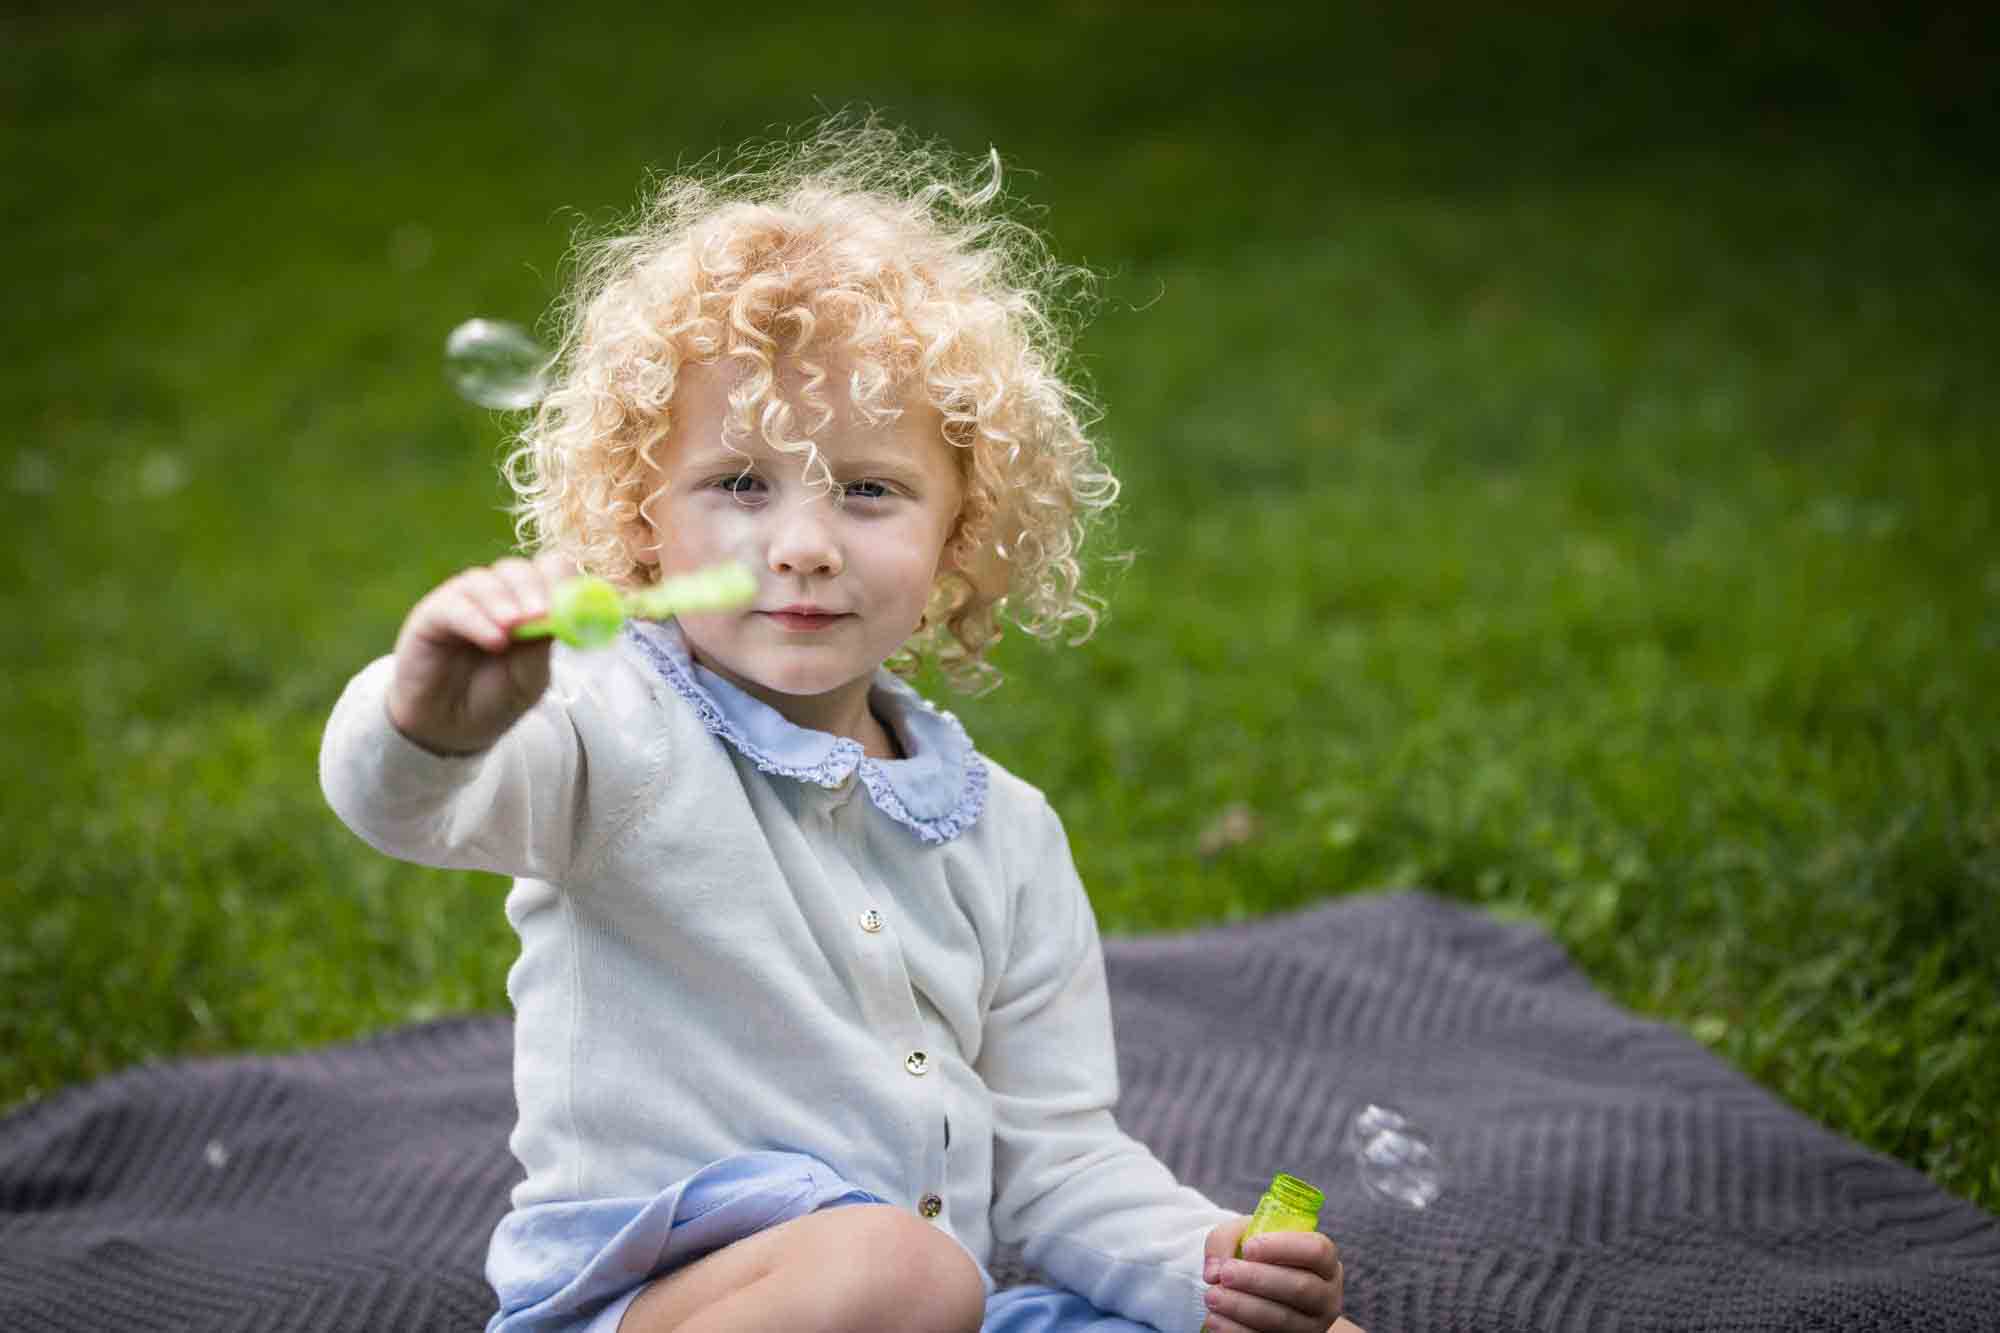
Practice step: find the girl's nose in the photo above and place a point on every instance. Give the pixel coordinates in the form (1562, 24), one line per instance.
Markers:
(802, 542)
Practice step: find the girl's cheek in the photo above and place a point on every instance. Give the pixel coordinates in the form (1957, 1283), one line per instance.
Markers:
(726, 528)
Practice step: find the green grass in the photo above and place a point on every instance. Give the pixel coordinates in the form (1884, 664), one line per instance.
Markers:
(1560, 471)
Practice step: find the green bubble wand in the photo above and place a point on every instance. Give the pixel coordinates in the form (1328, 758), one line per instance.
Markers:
(587, 611)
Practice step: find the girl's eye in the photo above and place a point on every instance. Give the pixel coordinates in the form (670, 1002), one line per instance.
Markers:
(868, 490)
(740, 484)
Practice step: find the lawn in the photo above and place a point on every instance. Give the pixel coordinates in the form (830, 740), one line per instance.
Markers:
(1560, 471)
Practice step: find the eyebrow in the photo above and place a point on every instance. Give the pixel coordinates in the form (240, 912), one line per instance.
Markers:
(868, 465)
(877, 465)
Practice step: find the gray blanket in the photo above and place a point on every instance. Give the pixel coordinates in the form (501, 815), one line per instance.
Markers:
(1601, 1171)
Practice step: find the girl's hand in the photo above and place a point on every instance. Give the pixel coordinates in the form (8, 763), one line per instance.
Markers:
(1286, 1282)
(460, 679)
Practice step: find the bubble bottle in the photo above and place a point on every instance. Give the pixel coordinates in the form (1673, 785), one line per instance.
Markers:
(1289, 1205)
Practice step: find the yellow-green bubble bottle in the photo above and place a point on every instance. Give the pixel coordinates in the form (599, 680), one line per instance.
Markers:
(1289, 1205)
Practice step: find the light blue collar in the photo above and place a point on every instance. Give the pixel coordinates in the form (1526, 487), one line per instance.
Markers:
(937, 792)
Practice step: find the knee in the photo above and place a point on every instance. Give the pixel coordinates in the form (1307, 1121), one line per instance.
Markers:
(912, 1276)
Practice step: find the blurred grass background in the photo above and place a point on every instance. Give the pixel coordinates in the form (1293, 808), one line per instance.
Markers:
(1559, 457)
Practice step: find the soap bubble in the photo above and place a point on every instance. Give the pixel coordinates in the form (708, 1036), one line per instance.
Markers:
(496, 364)
(1371, 1120)
(1401, 1168)
(1394, 1161)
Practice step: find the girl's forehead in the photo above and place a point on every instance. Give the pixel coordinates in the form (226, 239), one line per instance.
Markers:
(709, 390)
(705, 421)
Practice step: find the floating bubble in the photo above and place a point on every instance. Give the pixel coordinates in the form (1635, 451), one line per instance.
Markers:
(1394, 1161)
(1371, 1120)
(1400, 1168)
(496, 364)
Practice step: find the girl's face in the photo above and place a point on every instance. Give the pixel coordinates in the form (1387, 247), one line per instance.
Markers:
(843, 574)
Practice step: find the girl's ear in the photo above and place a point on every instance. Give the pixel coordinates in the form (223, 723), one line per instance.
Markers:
(642, 542)
(974, 552)
(987, 571)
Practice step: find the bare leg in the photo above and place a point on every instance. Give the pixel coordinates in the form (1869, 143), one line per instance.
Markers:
(862, 1268)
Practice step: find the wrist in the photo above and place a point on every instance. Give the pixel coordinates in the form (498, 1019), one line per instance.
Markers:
(441, 748)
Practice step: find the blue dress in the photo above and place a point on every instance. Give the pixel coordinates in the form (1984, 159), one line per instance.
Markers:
(577, 1267)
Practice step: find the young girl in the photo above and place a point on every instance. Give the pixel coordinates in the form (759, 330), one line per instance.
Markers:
(810, 1005)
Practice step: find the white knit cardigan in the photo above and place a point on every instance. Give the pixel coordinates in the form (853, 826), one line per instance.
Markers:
(737, 934)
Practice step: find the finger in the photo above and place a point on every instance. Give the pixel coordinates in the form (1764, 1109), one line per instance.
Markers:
(554, 566)
(1345, 1326)
(448, 617)
(490, 591)
(526, 584)
(494, 588)
(1295, 1249)
(1298, 1290)
(1222, 1240)
(1229, 1308)
(1216, 1323)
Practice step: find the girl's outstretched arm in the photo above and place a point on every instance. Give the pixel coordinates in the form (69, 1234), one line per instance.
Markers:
(479, 765)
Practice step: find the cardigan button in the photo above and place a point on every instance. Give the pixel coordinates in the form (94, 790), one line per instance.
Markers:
(871, 921)
(918, 1063)
(931, 1206)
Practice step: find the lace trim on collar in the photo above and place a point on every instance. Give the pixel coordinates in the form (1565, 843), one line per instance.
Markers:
(971, 801)
(846, 755)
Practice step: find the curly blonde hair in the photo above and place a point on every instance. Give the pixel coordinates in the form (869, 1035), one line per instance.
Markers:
(892, 254)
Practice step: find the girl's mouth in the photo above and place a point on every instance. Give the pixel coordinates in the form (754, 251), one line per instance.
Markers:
(800, 622)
